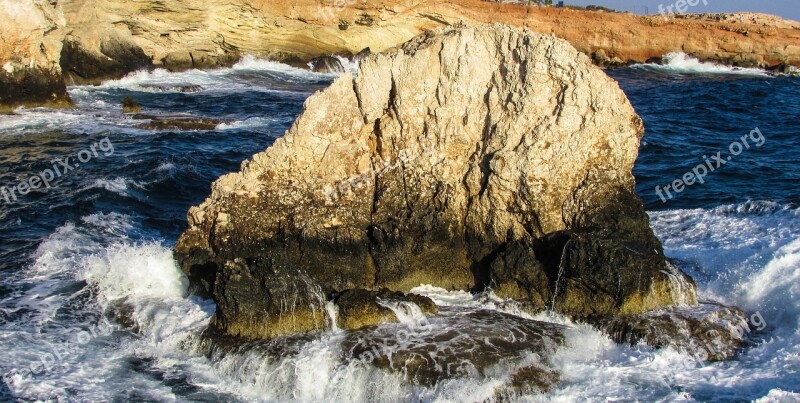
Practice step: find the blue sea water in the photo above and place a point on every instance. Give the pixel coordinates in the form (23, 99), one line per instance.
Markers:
(102, 235)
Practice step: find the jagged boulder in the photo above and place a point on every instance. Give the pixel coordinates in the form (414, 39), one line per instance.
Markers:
(468, 158)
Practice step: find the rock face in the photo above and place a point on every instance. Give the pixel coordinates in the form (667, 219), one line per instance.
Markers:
(108, 39)
(181, 34)
(32, 33)
(469, 158)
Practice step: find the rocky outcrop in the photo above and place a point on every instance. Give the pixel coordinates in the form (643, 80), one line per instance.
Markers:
(469, 158)
(32, 33)
(109, 39)
(113, 58)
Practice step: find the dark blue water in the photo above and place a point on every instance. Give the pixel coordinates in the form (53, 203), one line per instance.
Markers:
(139, 194)
(688, 117)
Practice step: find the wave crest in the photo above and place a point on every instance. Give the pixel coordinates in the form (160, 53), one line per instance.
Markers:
(681, 63)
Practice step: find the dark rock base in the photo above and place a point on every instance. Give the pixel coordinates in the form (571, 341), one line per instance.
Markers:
(32, 87)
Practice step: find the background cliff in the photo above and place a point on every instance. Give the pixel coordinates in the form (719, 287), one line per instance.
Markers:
(179, 34)
(94, 40)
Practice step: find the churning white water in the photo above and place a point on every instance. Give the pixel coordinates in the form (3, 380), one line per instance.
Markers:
(681, 63)
(100, 310)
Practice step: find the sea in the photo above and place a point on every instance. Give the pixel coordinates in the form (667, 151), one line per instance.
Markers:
(94, 308)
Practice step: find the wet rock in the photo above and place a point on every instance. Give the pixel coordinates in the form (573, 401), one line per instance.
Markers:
(198, 59)
(176, 122)
(122, 312)
(463, 343)
(468, 158)
(708, 331)
(32, 87)
(327, 64)
(363, 308)
(361, 55)
(129, 105)
(785, 68)
(601, 58)
(533, 379)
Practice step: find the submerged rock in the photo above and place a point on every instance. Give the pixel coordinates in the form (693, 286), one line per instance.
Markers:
(129, 105)
(176, 122)
(462, 343)
(458, 344)
(469, 158)
(183, 88)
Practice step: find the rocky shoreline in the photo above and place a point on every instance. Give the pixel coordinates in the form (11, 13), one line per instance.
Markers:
(95, 41)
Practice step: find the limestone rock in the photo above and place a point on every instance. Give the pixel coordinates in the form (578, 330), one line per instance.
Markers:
(469, 158)
(32, 33)
(114, 57)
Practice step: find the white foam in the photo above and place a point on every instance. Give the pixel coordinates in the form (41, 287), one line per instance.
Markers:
(135, 271)
(143, 276)
(407, 313)
(166, 167)
(779, 396)
(350, 66)
(681, 63)
(250, 124)
(119, 185)
(251, 63)
(729, 244)
(776, 287)
(224, 79)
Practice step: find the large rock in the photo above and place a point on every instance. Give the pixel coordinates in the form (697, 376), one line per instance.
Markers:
(467, 158)
(32, 33)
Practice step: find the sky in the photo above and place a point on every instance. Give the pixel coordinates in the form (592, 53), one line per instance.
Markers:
(789, 9)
